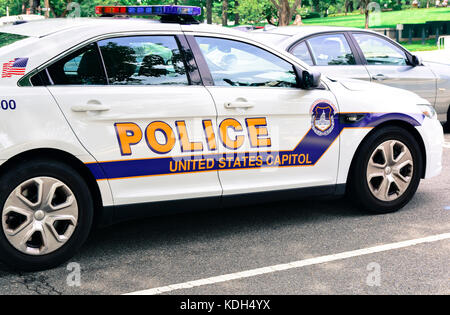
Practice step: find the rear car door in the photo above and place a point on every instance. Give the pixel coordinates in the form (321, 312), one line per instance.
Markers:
(389, 64)
(137, 104)
(331, 54)
(266, 140)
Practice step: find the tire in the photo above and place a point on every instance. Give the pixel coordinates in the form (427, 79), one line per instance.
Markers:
(64, 222)
(447, 124)
(370, 185)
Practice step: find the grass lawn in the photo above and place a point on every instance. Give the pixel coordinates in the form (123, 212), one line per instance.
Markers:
(388, 19)
(417, 45)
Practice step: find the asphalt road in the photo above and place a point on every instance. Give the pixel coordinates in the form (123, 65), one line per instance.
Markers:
(174, 249)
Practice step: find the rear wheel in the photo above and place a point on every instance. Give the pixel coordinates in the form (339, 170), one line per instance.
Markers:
(387, 170)
(46, 215)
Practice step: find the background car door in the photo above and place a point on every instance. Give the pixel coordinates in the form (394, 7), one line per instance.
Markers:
(262, 117)
(388, 64)
(140, 118)
(331, 55)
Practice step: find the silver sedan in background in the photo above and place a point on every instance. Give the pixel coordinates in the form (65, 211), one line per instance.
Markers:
(365, 55)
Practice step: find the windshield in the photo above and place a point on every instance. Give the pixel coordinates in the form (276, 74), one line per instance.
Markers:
(7, 39)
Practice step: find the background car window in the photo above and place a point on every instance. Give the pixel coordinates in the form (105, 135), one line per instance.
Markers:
(144, 60)
(301, 52)
(7, 39)
(80, 68)
(235, 63)
(331, 50)
(378, 51)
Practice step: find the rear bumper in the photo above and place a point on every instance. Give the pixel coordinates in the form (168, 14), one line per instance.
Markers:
(433, 136)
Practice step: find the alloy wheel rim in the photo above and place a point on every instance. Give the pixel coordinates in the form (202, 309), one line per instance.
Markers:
(40, 216)
(390, 170)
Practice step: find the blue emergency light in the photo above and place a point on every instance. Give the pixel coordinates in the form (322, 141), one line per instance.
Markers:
(161, 10)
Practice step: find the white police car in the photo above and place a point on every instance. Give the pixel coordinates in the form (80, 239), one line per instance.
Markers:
(106, 119)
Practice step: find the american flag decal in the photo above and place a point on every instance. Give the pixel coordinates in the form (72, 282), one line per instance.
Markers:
(14, 67)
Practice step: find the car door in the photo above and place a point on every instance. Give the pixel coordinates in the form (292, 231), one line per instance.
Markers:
(331, 54)
(389, 64)
(266, 140)
(139, 118)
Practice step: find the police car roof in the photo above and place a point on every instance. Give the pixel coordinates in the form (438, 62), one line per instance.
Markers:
(48, 27)
(303, 30)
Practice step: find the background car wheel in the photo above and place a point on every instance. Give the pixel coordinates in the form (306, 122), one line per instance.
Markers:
(387, 171)
(46, 215)
(447, 124)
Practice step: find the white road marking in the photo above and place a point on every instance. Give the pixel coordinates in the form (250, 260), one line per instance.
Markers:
(292, 265)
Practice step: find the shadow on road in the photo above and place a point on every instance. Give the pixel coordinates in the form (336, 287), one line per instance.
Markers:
(164, 231)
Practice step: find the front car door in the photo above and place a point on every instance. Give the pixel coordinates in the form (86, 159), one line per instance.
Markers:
(331, 54)
(137, 105)
(389, 64)
(266, 139)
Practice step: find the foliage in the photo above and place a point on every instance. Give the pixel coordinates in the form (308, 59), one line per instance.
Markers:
(266, 11)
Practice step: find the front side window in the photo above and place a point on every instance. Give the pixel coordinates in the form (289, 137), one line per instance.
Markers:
(378, 51)
(331, 50)
(144, 60)
(234, 63)
(83, 67)
(301, 52)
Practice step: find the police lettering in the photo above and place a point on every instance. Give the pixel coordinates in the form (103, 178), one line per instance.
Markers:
(161, 138)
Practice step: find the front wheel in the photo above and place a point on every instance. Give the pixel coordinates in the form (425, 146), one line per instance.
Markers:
(387, 170)
(46, 215)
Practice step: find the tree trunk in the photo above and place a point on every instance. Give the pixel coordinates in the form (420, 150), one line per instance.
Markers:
(315, 6)
(209, 11)
(366, 13)
(47, 8)
(284, 16)
(224, 12)
(236, 13)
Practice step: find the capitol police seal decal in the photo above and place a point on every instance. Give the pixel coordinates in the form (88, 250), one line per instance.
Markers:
(322, 121)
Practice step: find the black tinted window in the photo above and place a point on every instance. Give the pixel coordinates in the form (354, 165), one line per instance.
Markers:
(83, 67)
(144, 60)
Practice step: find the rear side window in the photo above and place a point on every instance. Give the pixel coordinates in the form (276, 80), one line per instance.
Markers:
(144, 60)
(7, 39)
(84, 67)
(331, 50)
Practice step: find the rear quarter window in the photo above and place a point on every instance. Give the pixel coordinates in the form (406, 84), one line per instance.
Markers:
(8, 39)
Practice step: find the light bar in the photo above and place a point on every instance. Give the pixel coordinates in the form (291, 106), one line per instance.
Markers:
(148, 10)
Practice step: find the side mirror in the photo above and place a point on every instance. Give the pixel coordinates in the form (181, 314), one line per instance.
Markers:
(308, 79)
(416, 61)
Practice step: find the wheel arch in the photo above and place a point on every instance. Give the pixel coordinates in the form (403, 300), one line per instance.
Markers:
(397, 123)
(71, 160)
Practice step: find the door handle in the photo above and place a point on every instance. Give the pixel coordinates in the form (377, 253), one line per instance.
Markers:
(90, 108)
(239, 103)
(379, 77)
